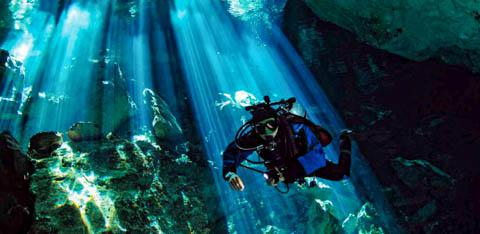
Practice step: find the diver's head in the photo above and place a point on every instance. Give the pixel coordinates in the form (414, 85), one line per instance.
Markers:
(265, 122)
(267, 129)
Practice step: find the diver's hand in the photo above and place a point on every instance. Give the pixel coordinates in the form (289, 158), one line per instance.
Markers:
(235, 181)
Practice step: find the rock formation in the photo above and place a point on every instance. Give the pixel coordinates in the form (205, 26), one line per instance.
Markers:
(418, 30)
(164, 123)
(16, 200)
(12, 75)
(108, 103)
(5, 20)
(44, 143)
(111, 106)
(84, 131)
(108, 185)
(424, 112)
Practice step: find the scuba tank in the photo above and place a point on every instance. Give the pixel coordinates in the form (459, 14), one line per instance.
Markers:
(298, 110)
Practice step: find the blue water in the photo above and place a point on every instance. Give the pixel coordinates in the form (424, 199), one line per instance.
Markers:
(218, 53)
(223, 55)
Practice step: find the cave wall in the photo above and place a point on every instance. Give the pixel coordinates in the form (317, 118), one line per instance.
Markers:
(408, 117)
(6, 21)
(418, 30)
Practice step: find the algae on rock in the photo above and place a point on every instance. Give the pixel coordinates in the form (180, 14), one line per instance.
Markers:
(117, 186)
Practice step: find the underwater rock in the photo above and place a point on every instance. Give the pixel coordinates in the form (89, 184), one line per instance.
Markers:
(418, 30)
(14, 162)
(106, 101)
(12, 76)
(426, 212)
(403, 108)
(315, 209)
(3, 61)
(44, 143)
(6, 21)
(322, 215)
(117, 185)
(364, 221)
(165, 125)
(423, 178)
(84, 131)
(16, 200)
(320, 218)
(112, 107)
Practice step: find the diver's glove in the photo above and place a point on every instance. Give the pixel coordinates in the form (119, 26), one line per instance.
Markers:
(234, 180)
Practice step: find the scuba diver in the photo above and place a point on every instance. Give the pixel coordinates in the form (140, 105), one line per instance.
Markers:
(291, 147)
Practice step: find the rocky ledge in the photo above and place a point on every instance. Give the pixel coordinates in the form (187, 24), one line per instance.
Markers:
(417, 30)
(416, 122)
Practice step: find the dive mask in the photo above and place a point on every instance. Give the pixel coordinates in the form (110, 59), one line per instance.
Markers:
(267, 128)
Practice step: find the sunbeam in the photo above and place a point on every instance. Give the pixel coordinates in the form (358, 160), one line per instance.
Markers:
(222, 55)
(130, 68)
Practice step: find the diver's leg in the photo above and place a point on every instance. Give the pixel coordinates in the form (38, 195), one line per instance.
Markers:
(294, 171)
(333, 171)
(330, 171)
(345, 157)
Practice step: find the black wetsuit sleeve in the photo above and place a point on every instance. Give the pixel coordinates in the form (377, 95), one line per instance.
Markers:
(233, 156)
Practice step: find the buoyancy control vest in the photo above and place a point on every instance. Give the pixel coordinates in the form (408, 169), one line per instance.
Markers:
(323, 136)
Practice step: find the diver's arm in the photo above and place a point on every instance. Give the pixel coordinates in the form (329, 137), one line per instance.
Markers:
(232, 157)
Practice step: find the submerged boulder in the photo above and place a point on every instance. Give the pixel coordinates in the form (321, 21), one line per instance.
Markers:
(13, 161)
(84, 131)
(111, 106)
(12, 76)
(44, 143)
(423, 177)
(16, 200)
(364, 221)
(425, 212)
(165, 125)
(320, 218)
(423, 194)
